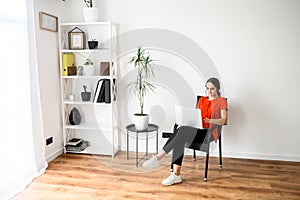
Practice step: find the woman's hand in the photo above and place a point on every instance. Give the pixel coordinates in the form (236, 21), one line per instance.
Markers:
(221, 121)
(206, 120)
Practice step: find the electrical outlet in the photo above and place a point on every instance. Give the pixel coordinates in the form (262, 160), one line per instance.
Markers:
(49, 140)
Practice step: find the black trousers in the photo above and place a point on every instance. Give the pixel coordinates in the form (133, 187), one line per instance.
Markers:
(181, 136)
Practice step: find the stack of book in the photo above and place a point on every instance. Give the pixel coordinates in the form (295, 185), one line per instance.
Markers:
(76, 145)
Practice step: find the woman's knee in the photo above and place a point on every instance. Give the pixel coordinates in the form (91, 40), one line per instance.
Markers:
(186, 129)
(186, 133)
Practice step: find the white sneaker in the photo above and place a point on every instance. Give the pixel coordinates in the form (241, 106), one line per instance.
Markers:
(152, 163)
(172, 179)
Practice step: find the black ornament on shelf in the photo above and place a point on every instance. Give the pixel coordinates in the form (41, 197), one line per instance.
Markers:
(74, 117)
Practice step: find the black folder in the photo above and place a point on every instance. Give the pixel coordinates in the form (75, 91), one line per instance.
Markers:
(103, 94)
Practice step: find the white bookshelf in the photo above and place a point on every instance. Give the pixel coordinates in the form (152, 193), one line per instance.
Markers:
(98, 123)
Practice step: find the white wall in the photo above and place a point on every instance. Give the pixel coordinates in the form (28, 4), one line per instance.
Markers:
(254, 45)
(48, 66)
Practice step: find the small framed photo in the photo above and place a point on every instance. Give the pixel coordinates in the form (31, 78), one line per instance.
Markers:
(48, 22)
(76, 41)
(104, 69)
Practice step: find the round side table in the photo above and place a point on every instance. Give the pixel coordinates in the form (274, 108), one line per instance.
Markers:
(131, 128)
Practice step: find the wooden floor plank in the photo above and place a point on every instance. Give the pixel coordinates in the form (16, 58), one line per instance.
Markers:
(74, 176)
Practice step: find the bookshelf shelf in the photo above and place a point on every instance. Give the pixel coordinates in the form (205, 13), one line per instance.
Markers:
(108, 23)
(84, 77)
(79, 102)
(94, 150)
(102, 50)
(98, 119)
(86, 126)
(85, 103)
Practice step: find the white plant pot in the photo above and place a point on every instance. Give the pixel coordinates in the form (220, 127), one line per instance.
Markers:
(88, 70)
(90, 14)
(141, 121)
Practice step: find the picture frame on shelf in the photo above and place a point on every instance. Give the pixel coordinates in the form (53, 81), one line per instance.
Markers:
(104, 68)
(48, 22)
(76, 39)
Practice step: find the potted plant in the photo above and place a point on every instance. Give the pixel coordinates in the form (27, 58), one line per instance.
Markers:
(88, 67)
(90, 13)
(141, 86)
(85, 95)
(93, 44)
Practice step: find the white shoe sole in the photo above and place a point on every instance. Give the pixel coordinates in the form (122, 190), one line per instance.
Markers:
(177, 182)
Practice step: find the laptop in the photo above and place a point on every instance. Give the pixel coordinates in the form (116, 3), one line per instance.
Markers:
(185, 116)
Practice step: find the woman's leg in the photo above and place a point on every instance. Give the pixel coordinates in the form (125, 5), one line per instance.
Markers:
(178, 150)
(189, 135)
(154, 161)
(162, 153)
(185, 134)
(176, 169)
(177, 142)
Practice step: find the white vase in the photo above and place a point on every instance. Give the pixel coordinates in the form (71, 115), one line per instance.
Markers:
(141, 121)
(88, 70)
(90, 14)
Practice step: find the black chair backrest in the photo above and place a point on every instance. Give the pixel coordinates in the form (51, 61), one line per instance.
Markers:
(198, 97)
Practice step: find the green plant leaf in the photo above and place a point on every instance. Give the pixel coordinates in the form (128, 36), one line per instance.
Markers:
(88, 62)
(85, 88)
(143, 62)
(89, 3)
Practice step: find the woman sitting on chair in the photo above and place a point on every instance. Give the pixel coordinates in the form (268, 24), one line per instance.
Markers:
(213, 111)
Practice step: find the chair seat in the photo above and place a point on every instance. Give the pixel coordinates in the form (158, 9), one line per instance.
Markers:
(198, 146)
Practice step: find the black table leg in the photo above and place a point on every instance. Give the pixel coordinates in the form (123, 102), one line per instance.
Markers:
(137, 149)
(127, 148)
(146, 143)
(157, 142)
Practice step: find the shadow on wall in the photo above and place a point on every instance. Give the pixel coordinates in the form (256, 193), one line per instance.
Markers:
(251, 121)
(236, 119)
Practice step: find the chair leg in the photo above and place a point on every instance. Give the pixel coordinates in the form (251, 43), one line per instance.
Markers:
(194, 154)
(206, 167)
(220, 152)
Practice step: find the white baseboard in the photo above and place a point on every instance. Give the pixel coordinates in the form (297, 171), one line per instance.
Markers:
(54, 155)
(255, 156)
(261, 156)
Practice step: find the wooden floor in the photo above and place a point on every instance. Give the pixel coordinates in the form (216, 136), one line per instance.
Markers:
(74, 176)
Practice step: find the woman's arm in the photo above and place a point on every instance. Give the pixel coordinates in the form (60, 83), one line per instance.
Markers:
(220, 121)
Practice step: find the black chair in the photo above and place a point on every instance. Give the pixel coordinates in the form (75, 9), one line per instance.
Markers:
(205, 146)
